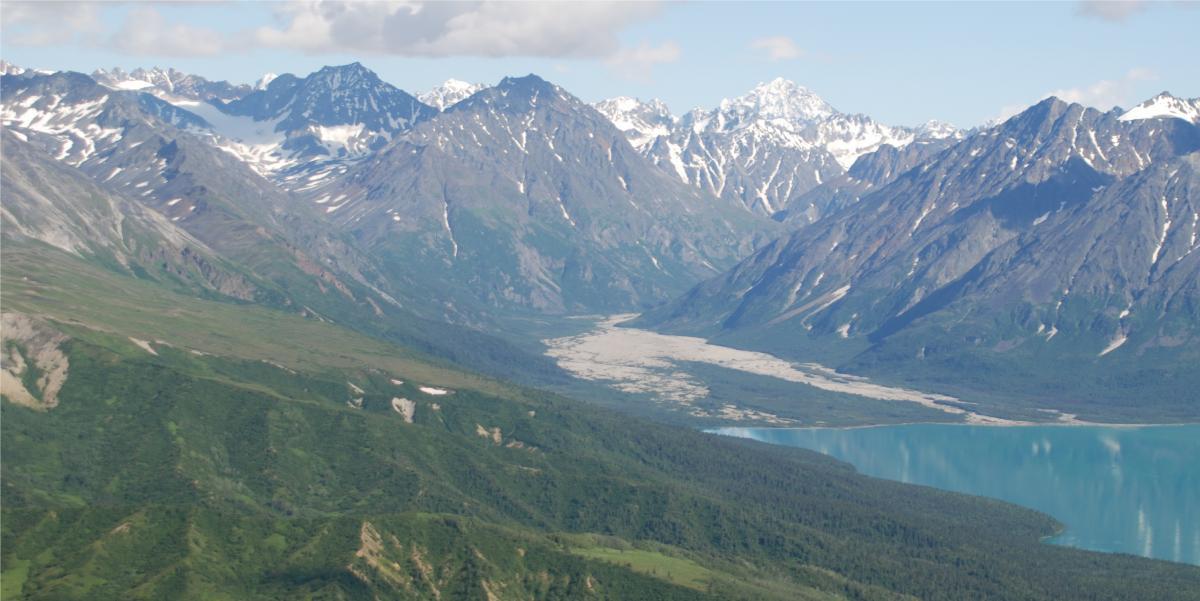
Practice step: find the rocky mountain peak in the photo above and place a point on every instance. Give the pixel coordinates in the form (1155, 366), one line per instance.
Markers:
(778, 99)
(449, 93)
(1165, 106)
(642, 122)
(937, 130)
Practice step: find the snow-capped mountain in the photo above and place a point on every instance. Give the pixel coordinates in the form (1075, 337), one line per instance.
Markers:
(642, 122)
(449, 93)
(1165, 106)
(760, 149)
(293, 125)
(519, 198)
(170, 84)
(938, 130)
(7, 68)
(264, 81)
(134, 146)
(779, 100)
(1064, 234)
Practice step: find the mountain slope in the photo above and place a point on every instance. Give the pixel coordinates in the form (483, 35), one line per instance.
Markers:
(869, 172)
(1034, 247)
(521, 197)
(48, 202)
(123, 143)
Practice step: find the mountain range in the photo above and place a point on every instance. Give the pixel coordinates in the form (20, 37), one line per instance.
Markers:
(519, 200)
(1058, 241)
(764, 149)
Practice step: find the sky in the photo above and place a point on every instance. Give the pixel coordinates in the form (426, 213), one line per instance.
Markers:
(902, 63)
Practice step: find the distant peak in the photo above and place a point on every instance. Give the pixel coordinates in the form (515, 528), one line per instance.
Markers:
(7, 68)
(1165, 106)
(449, 93)
(781, 84)
(456, 84)
(937, 130)
(778, 99)
(530, 80)
(1051, 101)
(643, 121)
(349, 71)
(354, 66)
(630, 103)
(264, 81)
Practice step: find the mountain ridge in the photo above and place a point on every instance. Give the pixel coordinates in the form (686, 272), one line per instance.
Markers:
(905, 261)
(763, 148)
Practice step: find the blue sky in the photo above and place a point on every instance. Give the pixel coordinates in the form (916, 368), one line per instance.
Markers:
(902, 63)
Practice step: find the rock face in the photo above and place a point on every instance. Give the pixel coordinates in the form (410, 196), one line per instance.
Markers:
(522, 196)
(1063, 228)
(763, 149)
(869, 172)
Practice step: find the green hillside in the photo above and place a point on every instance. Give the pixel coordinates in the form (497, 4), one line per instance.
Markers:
(200, 449)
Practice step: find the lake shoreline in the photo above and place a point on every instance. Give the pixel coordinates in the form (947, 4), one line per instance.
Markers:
(1102, 483)
(1014, 424)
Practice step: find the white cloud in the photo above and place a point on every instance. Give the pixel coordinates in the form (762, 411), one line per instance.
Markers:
(778, 47)
(1107, 93)
(638, 62)
(1111, 10)
(436, 29)
(1005, 113)
(1118, 11)
(145, 31)
(1103, 94)
(49, 23)
(415, 28)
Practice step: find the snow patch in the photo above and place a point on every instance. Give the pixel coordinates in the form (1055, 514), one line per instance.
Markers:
(1114, 344)
(144, 345)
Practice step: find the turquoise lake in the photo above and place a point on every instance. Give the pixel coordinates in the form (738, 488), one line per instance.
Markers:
(1118, 489)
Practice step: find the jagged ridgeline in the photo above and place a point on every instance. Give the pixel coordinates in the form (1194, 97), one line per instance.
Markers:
(229, 369)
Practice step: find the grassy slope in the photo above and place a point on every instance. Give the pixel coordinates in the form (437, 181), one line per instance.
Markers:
(225, 476)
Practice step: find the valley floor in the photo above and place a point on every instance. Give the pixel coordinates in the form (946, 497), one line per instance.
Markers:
(713, 383)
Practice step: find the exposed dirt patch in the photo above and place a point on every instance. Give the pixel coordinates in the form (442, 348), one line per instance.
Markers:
(490, 433)
(30, 344)
(405, 408)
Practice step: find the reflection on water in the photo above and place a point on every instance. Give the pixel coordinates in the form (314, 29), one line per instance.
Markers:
(1128, 490)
